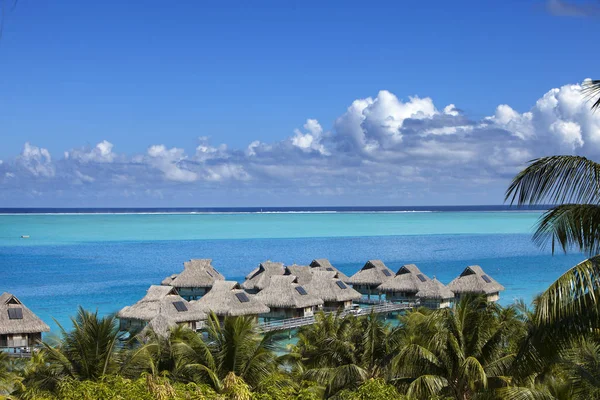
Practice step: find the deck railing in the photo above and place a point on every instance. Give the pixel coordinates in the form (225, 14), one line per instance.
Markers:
(293, 323)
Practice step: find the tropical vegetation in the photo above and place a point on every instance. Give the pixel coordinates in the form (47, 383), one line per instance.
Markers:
(477, 350)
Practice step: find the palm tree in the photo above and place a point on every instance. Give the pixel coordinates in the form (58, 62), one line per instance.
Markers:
(573, 183)
(90, 351)
(231, 350)
(467, 351)
(330, 351)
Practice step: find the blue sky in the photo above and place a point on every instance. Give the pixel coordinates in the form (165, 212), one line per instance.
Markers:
(196, 104)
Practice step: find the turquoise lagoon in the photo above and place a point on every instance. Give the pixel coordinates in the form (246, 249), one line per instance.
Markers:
(106, 261)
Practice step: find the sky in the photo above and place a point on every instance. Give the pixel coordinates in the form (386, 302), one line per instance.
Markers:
(288, 103)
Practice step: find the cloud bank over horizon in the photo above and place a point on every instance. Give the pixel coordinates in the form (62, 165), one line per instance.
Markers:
(382, 150)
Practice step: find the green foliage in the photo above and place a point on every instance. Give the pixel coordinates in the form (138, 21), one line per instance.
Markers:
(372, 389)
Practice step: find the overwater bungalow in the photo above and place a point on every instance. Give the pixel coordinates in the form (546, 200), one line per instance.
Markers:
(20, 329)
(370, 276)
(287, 298)
(474, 280)
(260, 277)
(196, 279)
(323, 264)
(434, 294)
(227, 298)
(163, 301)
(303, 272)
(404, 285)
(336, 295)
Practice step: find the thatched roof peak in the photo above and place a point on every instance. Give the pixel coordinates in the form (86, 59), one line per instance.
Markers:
(162, 300)
(196, 273)
(474, 280)
(323, 264)
(227, 298)
(285, 292)
(15, 317)
(259, 278)
(373, 273)
(326, 286)
(434, 289)
(408, 279)
(303, 272)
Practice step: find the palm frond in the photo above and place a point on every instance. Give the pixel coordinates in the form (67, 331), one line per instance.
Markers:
(556, 180)
(591, 90)
(570, 226)
(572, 299)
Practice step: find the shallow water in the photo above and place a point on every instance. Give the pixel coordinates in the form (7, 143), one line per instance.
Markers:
(105, 262)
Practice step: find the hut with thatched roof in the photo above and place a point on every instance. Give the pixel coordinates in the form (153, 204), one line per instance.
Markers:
(227, 298)
(434, 294)
(196, 279)
(405, 284)
(260, 277)
(164, 301)
(303, 272)
(20, 329)
(336, 295)
(287, 298)
(370, 276)
(474, 280)
(323, 264)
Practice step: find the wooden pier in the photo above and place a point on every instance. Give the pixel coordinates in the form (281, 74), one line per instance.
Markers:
(293, 323)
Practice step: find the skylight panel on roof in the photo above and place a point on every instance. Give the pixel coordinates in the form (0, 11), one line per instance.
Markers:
(15, 313)
(180, 306)
(242, 297)
(301, 290)
(386, 272)
(486, 279)
(341, 285)
(421, 277)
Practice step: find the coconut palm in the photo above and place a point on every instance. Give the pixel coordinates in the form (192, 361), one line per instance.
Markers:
(467, 352)
(573, 183)
(89, 351)
(330, 351)
(231, 350)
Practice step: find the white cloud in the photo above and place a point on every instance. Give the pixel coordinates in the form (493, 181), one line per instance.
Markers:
(382, 146)
(168, 161)
(311, 140)
(101, 153)
(36, 160)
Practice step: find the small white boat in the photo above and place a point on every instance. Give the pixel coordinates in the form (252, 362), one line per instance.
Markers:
(24, 236)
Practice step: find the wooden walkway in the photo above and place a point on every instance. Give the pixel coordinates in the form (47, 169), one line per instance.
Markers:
(293, 323)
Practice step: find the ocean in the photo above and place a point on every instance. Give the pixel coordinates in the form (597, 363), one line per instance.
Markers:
(105, 259)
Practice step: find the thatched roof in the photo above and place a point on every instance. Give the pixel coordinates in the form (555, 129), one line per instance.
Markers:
(161, 325)
(303, 272)
(285, 292)
(408, 279)
(327, 287)
(434, 289)
(162, 300)
(323, 264)
(196, 273)
(373, 273)
(226, 298)
(16, 318)
(260, 277)
(474, 280)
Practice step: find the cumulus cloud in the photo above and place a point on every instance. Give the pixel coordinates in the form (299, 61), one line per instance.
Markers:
(382, 147)
(169, 161)
(36, 160)
(101, 153)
